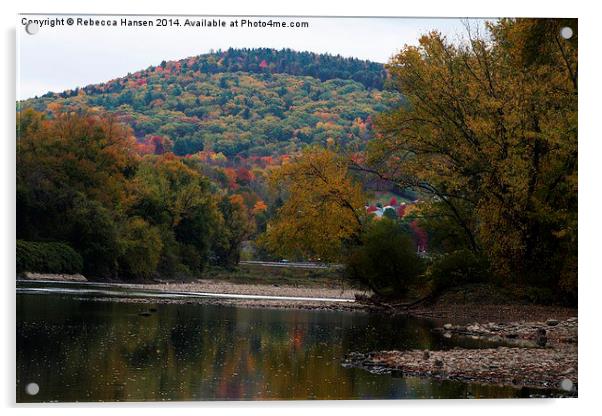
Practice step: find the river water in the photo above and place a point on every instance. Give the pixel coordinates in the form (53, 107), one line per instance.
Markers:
(77, 346)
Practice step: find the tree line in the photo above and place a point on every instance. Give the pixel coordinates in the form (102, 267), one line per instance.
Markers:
(82, 186)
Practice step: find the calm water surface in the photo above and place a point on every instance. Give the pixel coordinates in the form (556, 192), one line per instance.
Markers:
(81, 348)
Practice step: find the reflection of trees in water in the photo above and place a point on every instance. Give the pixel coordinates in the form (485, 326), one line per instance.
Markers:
(79, 350)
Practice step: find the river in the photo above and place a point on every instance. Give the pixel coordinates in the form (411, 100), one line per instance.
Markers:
(77, 346)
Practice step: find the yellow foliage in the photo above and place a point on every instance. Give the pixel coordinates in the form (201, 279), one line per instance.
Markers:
(324, 207)
(491, 133)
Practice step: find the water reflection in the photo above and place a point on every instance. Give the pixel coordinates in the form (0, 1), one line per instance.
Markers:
(84, 350)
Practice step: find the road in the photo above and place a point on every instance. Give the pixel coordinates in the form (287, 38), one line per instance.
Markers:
(292, 265)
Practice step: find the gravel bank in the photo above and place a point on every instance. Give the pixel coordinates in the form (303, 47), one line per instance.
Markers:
(220, 286)
(552, 332)
(518, 367)
(542, 355)
(54, 277)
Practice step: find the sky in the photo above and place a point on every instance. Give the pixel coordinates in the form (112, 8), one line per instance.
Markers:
(64, 57)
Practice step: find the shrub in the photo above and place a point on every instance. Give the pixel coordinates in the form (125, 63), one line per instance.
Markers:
(385, 260)
(456, 269)
(47, 258)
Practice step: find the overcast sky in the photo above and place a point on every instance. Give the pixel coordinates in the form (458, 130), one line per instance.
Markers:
(65, 57)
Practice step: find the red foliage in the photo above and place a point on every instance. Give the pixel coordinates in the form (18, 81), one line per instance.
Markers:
(244, 176)
(371, 208)
(263, 64)
(156, 145)
(393, 202)
(231, 175)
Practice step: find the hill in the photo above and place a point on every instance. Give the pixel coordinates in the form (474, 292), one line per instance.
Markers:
(246, 103)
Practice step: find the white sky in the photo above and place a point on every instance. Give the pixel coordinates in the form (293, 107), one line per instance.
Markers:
(65, 57)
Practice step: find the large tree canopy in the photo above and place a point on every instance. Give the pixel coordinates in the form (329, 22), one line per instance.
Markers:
(323, 209)
(489, 138)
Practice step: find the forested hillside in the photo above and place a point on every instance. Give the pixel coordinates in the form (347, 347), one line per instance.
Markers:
(165, 170)
(258, 102)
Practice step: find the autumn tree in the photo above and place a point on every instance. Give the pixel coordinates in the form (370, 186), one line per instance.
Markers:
(323, 207)
(177, 200)
(489, 138)
(72, 172)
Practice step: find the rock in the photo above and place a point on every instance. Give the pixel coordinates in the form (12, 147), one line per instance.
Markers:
(541, 338)
(566, 385)
(438, 363)
(552, 322)
(448, 326)
(426, 355)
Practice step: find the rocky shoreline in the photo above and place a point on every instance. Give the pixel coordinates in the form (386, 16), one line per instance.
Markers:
(342, 298)
(517, 367)
(244, 303)
(541, 355)
(552, 332)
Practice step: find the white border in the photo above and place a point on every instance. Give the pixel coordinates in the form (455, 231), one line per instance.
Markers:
(590, 152)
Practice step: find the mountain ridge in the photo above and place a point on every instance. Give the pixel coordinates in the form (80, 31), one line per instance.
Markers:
(259, 102)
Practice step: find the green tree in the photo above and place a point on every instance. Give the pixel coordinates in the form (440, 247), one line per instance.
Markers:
(236, 228)
(386, 260)
(141, 247)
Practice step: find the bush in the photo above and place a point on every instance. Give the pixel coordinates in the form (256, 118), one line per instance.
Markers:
(47, 258)
(456, 269)
(386, 260)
